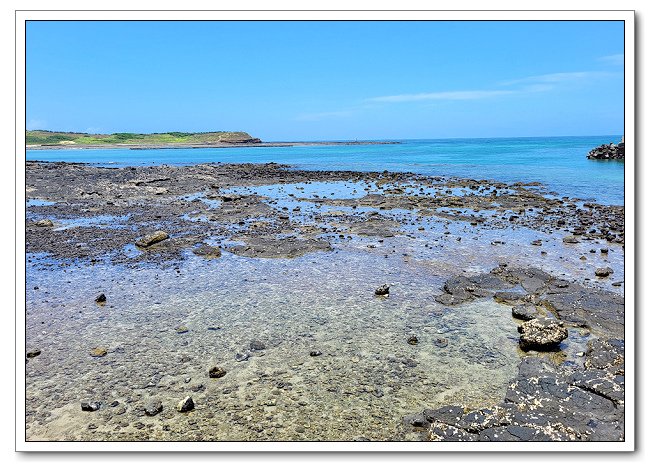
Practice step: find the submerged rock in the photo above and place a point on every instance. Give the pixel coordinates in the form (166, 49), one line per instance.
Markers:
(90, 406)
(241, 357)
(382, 290)
(33, 353)
(604, 271)
(44, 223)
(207, 251)
(153, 407)
(185, 405)
(541, 334)
(151, 239)
(98, 352)
(217, 372)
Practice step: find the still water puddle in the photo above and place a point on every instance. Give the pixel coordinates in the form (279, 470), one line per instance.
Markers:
(365, 378)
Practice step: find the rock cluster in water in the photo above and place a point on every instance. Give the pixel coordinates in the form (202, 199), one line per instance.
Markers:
(608, 151)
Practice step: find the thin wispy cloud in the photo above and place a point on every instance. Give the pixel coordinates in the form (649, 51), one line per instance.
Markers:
(450, 95)
(613, 60)
(530, 84)
(558, 77)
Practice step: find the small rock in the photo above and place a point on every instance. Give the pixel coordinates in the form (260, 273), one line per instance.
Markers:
(570, 240)
(382, 290)
(241, 357)
(114, 403)
(207, 251)
(151, 239)
(98, 352)
(537, 242)
(604, 271)
(44, 223)
(217, 372)
(412, 340)
(315, 353)
(33, 353)
(153, 407)
(257, 345)
(182, 329)
(441, 342)
(541, 334)
(101, 298)
(604, 250)
(186, 404)
(90, 406)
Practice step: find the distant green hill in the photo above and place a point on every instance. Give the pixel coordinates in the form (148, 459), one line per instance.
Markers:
(58, 138)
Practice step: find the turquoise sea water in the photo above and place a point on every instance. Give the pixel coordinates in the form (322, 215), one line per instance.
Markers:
(559, 163)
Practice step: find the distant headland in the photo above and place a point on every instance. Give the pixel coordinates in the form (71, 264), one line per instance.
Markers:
(42, 139)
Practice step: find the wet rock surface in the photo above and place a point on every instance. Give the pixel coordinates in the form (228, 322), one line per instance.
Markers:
(548, 401)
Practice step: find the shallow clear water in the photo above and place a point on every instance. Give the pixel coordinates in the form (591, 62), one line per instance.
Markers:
(559, 163)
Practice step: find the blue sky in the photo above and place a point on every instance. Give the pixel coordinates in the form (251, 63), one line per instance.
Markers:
(328, 80)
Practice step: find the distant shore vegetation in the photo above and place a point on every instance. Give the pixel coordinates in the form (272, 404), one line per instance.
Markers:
(62, 138)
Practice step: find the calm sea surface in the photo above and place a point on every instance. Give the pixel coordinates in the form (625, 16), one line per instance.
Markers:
(559, 163)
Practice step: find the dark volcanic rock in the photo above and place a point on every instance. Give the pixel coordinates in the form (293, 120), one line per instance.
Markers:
(33, 353)
(608, 151)
(217, 372)
(153, 407)
(525, 312)
(185, 405)
(90, 406)
(541, 334)
(382, 290)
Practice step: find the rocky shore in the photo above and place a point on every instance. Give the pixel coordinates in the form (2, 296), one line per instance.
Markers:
(241, 278)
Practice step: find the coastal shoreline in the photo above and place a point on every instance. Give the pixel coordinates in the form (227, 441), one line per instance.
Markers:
(36, 147)
(220, 234)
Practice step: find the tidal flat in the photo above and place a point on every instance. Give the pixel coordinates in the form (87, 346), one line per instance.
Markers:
(495, 326)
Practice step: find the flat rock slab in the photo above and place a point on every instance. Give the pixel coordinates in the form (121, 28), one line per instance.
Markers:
(151, 239)
(281, 247)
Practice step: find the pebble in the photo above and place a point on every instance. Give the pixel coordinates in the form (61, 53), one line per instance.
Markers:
(217, 372)
(441, 342)
(315, 353)
(182, 329)
(186, 404)
(153, 407)
(98, 352)
(412, 340)
(257, 345)
(33, 353)
(604, 271)
(239, 357)
(101, 298)
(90, 406)
(382, 290)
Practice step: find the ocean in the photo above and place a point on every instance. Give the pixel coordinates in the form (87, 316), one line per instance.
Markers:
(559, 163)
